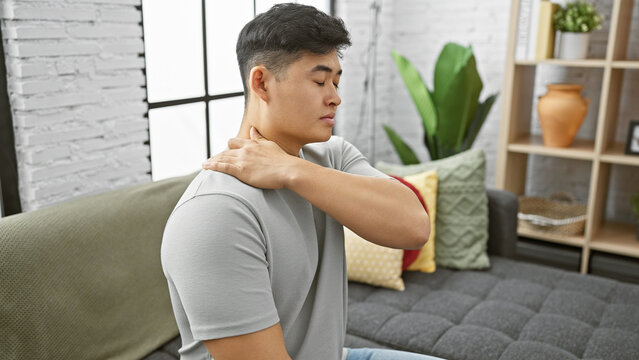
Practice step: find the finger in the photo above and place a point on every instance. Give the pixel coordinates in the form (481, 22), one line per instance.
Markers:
(255, 135)
(236, 143)
(221, 153)
(212, 157)
(229, 156)
(208, 164)
(227, 168)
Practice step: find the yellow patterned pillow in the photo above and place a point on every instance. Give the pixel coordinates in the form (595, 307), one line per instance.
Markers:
(426, 184)
(373, 264)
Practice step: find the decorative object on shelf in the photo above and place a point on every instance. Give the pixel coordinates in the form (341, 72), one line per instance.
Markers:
(545, 30)
(451, 114)
(632, 144)
(575, 21)
(635, 208)
(560, 214)
(561, 112)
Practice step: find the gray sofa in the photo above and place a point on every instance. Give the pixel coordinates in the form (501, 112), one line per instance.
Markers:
(82, 280)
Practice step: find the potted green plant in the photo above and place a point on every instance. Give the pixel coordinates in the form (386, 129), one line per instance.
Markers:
(635, 208)
(575, 21)
(451, 113)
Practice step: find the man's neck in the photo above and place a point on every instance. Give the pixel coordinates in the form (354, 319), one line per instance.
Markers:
(252, 118)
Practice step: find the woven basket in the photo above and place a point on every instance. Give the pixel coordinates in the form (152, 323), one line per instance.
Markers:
(558, 214)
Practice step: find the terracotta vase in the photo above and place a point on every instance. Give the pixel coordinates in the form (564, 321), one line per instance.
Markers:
(561, 112)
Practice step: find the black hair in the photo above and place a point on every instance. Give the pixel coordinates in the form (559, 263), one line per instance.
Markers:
(280, 36)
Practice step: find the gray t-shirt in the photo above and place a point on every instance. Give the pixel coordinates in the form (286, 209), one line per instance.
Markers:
(238, 259)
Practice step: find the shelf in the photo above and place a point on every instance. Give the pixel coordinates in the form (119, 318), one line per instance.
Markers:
(626, 64)
(533, 144)
(616, 238)
(592, 63)
(616, 154)
(589, 63)
(575, 240)
(606, 156)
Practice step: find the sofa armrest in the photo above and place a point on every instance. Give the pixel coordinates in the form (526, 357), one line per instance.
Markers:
(87, 261)
(502, 222)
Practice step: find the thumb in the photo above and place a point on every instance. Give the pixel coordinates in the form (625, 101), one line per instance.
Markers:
(255, 135)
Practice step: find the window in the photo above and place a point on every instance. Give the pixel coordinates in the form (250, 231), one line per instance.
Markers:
(194, 87)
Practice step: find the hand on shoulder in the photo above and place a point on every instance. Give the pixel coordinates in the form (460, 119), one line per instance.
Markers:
(257, 161)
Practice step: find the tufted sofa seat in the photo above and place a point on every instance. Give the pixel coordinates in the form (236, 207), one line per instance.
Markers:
(512, 311)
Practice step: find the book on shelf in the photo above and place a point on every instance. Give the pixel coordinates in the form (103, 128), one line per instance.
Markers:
(531, 45)
(535, 30)
(545, 44)
(521, 49)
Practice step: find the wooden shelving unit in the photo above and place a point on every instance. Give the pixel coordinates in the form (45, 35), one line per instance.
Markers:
(534, 144)
(516, 142)
(588, 63)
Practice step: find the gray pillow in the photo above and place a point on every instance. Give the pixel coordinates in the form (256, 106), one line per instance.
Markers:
(461, 224)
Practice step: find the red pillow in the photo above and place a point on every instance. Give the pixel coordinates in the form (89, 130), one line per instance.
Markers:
(411, 255)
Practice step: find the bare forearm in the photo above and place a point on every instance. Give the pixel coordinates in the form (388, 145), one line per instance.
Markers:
(380, 210)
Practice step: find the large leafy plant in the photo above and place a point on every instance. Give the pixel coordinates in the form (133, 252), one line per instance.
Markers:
(451, 113)
(577, 16)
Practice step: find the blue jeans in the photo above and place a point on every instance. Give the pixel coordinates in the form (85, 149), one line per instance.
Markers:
(384, 354)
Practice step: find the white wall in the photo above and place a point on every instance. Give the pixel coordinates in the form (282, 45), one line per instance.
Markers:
(76, 89)
(418, 29)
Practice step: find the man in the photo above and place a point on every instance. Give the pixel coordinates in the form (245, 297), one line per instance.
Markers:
(254, 250)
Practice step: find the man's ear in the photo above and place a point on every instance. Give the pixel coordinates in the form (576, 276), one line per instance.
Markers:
(258, 80)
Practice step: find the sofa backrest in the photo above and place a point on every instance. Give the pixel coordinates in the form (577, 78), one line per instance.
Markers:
(503, 207)
(83, 279)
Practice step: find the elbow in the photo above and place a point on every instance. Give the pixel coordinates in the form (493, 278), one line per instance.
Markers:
(421, 232)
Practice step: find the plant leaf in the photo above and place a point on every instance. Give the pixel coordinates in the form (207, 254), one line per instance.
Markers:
(428, 141)
(435, 152)
(480, 116)
(457, 104)
(419, 93)
(406, 154)
(450, 60)
(445, 151)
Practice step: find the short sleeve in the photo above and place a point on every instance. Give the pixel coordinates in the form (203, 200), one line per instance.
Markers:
(354, 162)
(214, 253)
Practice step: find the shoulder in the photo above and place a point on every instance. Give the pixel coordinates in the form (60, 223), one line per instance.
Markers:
(330, 153)
(215, 199)
(214, 185)
(203, 221)
(335, 143)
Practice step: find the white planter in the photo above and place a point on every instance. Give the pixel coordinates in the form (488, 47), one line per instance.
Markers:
(573, 45)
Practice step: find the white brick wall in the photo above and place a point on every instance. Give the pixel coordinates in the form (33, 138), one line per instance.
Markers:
(76, 87)
(418, 29)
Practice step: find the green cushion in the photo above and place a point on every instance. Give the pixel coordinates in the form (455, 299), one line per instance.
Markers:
(461, 225)
(83, 279)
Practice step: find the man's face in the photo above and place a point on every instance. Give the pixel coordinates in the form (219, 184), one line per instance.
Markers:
(302, 104)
